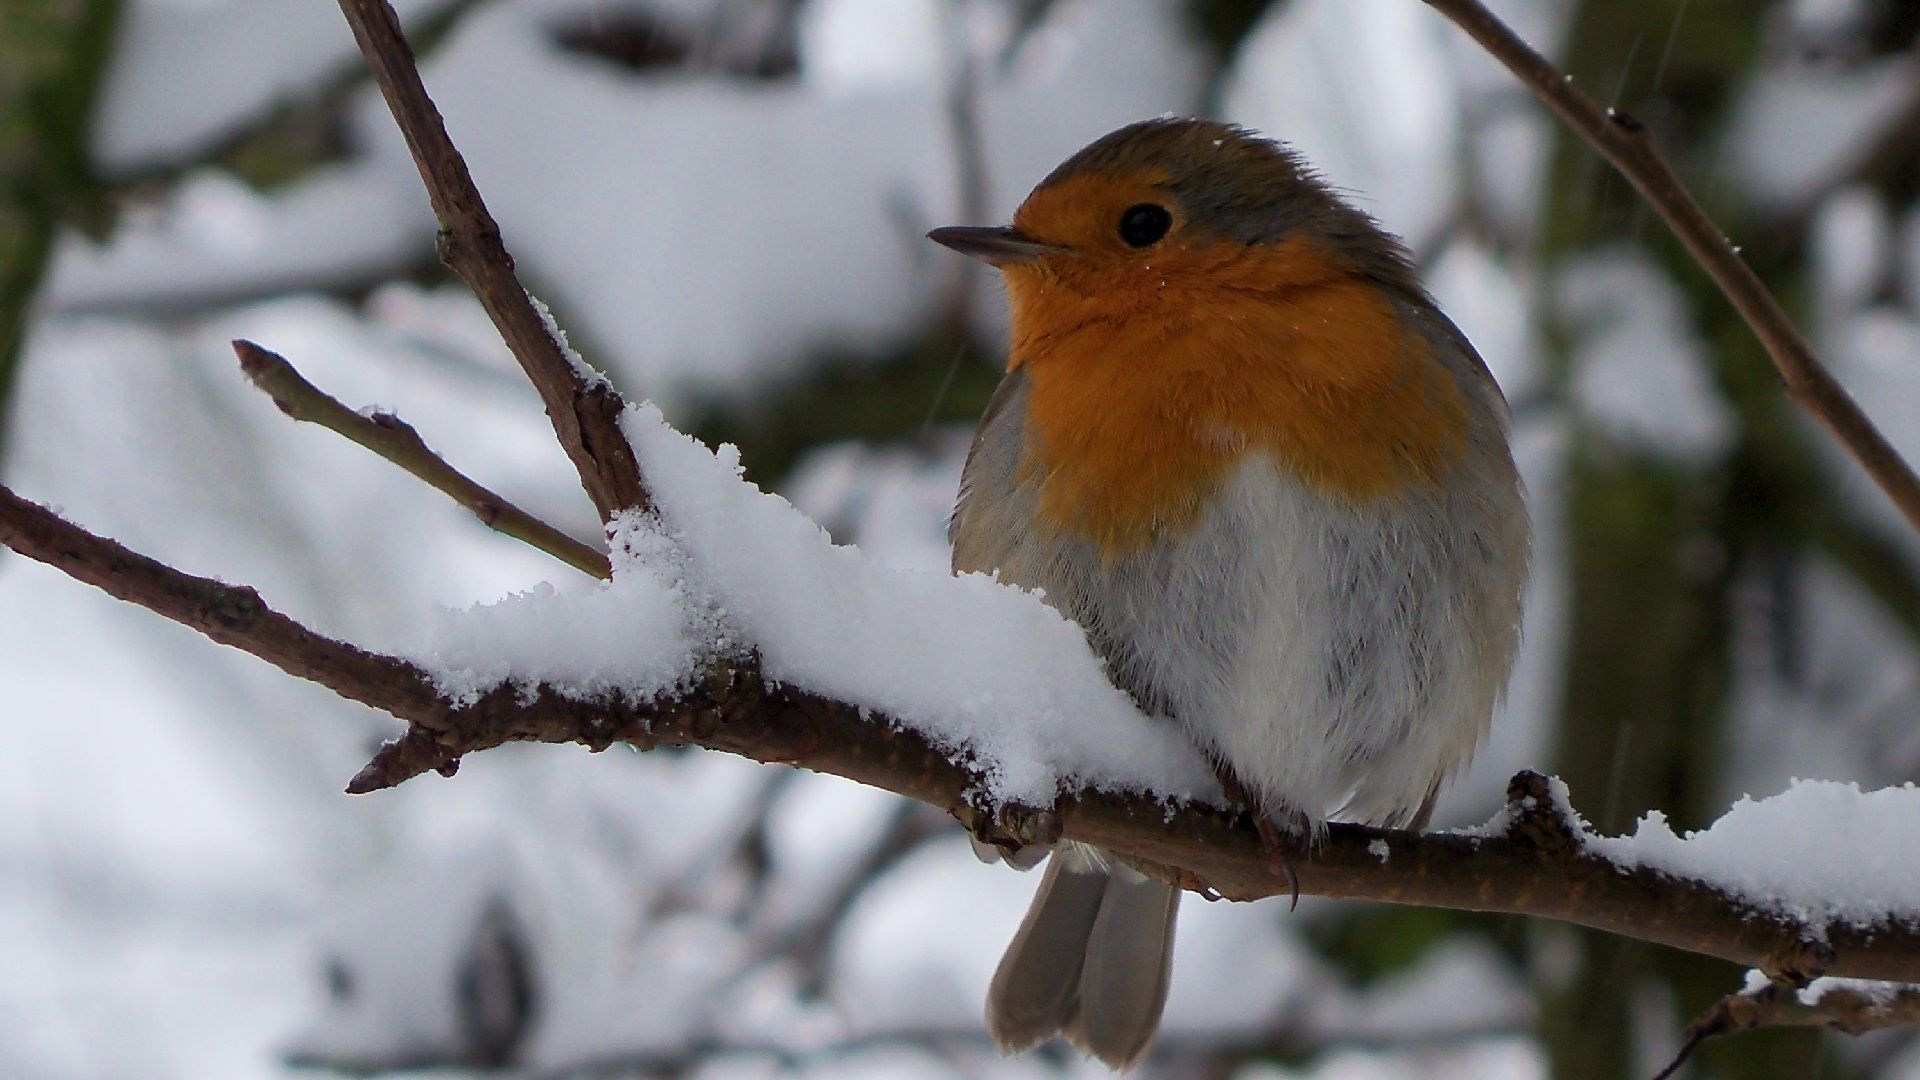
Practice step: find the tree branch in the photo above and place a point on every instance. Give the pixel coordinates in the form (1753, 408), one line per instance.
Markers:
(1847, 1007)
(396, 440)
(1625, 143)
(229, 614)
(584, 408)
(1537, 865)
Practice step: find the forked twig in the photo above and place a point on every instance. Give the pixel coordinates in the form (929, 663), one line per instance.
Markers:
(584, 407)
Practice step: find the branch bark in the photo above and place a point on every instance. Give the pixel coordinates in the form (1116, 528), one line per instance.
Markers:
(1536, 866)
(396, 440)
(1848, 1009)
(584, 408)
(1628, 147)
(229, 614)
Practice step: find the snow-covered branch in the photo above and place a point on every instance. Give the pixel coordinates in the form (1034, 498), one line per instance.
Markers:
(1536, 858)
(730, 623)
(1849, 1006)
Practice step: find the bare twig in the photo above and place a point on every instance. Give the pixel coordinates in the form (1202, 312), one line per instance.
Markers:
(1851, 1008)
(229, 614)
(1536, 866)
(1625, 143)
(396, 440)
(584, 407)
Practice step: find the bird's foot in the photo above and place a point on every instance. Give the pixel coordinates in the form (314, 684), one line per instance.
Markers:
(1276, 845)
(1272, 838)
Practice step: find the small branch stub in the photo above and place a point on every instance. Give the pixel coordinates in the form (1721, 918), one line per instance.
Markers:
(1536, 819)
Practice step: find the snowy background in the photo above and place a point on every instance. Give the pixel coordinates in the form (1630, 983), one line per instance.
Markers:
(723, 201)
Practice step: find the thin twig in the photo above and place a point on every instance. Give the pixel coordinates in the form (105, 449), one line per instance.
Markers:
(396, 440)
(584, 407)
(1537, 866)
(1846, 1006)
(1625, 143)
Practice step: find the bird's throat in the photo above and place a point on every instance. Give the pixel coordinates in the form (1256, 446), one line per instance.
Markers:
(1138, 408)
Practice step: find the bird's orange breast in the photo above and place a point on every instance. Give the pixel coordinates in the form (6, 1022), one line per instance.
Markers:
(1147, 382)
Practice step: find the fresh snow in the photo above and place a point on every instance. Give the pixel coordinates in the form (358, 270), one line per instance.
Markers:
(639, 635)
(1820, 852)
(988, 673)
(1872, 989)
(1001, 681)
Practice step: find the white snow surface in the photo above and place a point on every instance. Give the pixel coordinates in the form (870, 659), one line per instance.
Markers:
(1873, 989)
(637, 635)
(1800, 127)
(987, 672)
(1820, 852)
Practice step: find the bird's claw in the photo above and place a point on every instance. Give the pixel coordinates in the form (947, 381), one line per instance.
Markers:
(1271, 837)
(1276, 846)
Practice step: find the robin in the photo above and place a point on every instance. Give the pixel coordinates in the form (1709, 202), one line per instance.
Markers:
(1239, 444)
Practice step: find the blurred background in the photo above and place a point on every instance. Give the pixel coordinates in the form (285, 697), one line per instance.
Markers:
(723, 201)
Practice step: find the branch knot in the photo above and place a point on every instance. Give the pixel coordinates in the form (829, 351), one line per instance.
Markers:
(235, 608)
(1536, 818)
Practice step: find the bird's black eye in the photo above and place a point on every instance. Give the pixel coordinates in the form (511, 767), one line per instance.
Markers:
(1144, 224)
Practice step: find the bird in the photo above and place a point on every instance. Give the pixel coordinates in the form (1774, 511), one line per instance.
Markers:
(1239, 444)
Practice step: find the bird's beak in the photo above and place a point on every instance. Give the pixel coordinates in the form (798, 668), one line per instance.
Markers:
(997, 245)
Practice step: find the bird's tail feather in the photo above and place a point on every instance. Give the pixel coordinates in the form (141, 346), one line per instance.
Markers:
(1091, 961)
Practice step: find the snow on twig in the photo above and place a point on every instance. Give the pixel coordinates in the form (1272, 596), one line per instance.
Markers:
(1540, 862)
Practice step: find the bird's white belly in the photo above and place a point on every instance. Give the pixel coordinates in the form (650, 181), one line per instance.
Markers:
(1325, 649)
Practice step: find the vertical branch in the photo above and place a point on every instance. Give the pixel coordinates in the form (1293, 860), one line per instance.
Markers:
(1626, 144)
(582, 405)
